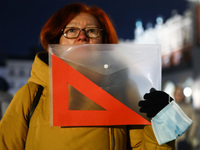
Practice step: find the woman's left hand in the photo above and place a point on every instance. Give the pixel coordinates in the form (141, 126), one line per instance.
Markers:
(154, 102)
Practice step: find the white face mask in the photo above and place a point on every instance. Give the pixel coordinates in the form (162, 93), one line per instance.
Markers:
(170, 123)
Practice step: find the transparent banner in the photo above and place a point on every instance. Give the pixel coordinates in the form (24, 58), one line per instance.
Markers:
(101, 84)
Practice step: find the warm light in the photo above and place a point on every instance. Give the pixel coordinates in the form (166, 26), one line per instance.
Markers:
(187, 91)
(106, 66)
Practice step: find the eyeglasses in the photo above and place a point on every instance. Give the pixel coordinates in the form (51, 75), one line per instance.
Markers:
(73, 32)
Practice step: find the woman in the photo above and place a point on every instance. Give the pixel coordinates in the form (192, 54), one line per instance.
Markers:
(73, 24)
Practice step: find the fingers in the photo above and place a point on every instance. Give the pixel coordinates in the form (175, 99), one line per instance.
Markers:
(142, 103)
(147, 103)
(152, 90)
(156, 95)
(153, 102)
(147, 94)
(150, 111)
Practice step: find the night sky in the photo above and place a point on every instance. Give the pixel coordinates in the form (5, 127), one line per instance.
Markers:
(22, 20)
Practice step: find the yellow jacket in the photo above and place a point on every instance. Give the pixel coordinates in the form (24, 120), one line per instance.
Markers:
(15, 135)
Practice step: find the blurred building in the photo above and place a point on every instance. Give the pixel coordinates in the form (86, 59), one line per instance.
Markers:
(16, 72)
(16, 69)
(179, 38)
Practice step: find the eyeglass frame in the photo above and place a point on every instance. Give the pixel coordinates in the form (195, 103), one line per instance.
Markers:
(84, 29)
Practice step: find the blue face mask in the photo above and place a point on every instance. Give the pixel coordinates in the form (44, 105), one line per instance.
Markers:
(170, 123)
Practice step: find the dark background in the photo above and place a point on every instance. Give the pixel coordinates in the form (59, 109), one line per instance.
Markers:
(22, 20)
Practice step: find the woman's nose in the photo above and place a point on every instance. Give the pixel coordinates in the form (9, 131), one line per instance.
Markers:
(82, 36)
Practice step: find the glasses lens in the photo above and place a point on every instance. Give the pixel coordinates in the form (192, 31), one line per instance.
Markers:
(93, 32)
(71, 32)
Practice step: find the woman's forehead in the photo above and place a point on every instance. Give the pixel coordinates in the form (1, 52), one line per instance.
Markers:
(85, 19)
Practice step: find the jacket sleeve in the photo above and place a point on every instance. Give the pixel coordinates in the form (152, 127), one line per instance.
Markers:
(13, 128)
(143, 138)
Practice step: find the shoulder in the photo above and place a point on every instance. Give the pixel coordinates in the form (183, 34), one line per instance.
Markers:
(26, 91)
(22, 100)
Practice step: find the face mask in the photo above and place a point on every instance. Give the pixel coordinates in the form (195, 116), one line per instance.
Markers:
(170, 123)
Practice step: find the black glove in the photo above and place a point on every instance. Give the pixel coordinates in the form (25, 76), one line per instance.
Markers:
(154, 102)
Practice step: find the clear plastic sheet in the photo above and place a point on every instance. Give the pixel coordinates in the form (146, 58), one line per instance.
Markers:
(126, 72)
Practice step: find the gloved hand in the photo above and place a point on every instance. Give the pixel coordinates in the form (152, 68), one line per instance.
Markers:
(154, 102)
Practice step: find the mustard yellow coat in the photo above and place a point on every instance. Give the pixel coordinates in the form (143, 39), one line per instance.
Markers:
(15, 135)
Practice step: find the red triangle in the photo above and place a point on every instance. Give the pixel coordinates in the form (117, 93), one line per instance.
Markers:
(116, 113)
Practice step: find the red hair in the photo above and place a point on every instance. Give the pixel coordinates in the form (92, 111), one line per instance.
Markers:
(51, 31)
